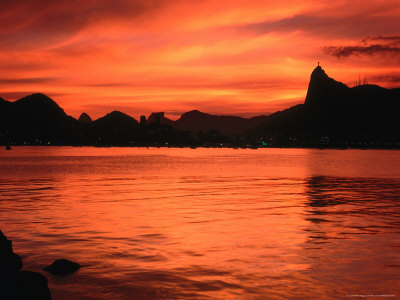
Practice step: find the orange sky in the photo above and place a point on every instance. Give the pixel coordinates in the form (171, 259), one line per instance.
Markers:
(232, 57)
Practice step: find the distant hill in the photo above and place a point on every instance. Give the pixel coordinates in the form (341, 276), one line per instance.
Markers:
(115, 127)
(159, 118)
(334, 113)
(195, 121)
(227, 125)
(116, 120)
(85, 118)
(35, 117)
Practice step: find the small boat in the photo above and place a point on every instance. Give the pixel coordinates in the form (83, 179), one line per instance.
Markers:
(8, 147)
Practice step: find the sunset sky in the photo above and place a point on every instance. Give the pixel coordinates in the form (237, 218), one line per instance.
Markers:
(223, 57)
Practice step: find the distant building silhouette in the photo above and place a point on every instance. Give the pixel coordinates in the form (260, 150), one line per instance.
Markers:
(358, 82)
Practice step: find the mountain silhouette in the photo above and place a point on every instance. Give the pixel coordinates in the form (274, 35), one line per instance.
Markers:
(115, 127)
(227, 125)
(85, 118)
(33, 117)
(159, 118)
(116, 120)
(323, 90)
(334, 113)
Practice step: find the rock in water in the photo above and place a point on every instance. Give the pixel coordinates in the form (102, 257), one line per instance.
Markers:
(10, 262)
(62, 267)
(17, 284)
(33, 286)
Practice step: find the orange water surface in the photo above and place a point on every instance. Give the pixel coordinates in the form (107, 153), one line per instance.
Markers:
(164, 223)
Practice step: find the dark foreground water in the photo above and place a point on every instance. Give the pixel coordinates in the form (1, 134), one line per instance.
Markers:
(206, 223)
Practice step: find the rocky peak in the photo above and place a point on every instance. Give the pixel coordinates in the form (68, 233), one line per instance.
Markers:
(158, 118)
(85, 118)
(322, 89)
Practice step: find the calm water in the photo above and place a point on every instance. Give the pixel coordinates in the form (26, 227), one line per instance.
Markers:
(206, 223)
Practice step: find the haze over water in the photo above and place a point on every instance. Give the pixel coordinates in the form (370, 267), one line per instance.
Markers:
(206, 223)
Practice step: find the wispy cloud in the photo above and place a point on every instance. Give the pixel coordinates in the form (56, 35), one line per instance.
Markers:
(18, 95)
(392, 78)
(327, 26)
(38, 23)
(387, 45)
(227, 56)
(392, 39)
(370, 50)
(29, 80)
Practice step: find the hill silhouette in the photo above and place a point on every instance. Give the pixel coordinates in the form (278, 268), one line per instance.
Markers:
(159, 118)
(35, 117)
(85, 118)
(323, 90)
(335, 114)
(227, 125)
(116, 120)
(115, 127)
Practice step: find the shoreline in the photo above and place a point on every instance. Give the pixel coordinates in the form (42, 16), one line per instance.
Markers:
(395, 147)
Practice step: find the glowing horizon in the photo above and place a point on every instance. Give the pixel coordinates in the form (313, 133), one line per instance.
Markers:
(239, 57)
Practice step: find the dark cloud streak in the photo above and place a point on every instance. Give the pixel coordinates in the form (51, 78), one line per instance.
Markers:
(32, 80)
(391, 39)
(198, 83)
(18, 95)
(37, 23)
(392, 79)
(353, 26)
(369, 50)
